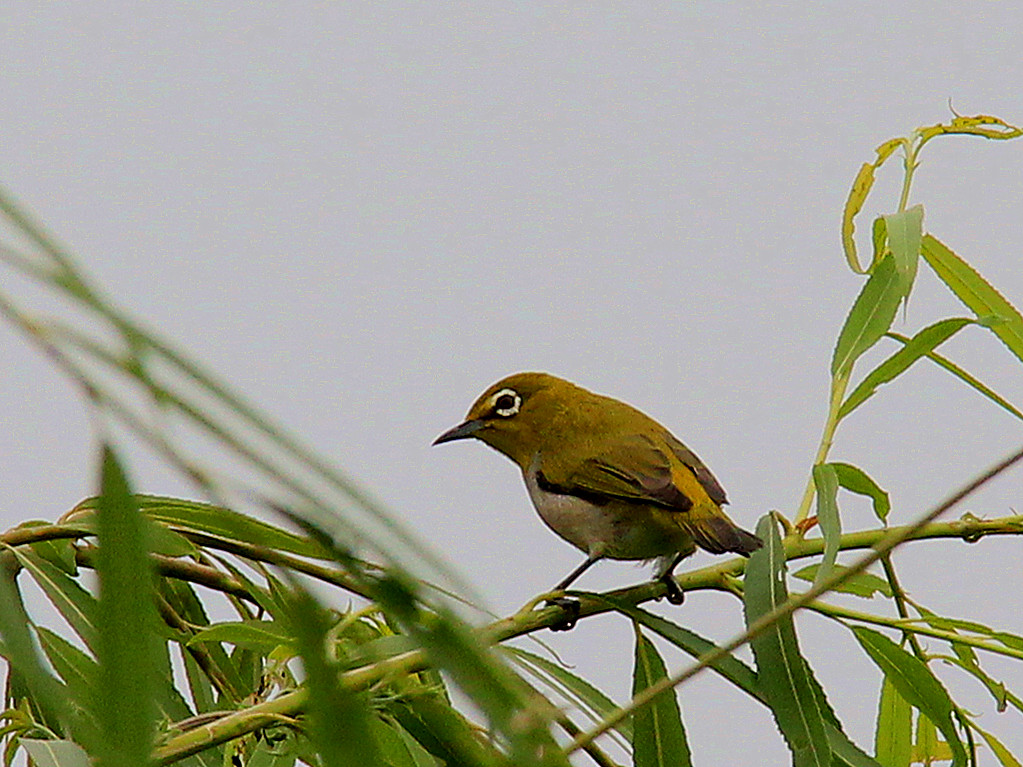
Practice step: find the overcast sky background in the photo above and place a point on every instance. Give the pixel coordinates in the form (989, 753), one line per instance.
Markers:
(361, 215)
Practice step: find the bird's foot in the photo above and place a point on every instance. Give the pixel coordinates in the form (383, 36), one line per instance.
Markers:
(675, 593)
(571, 608)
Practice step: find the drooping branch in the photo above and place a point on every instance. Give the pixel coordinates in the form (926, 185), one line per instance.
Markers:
(527, 620)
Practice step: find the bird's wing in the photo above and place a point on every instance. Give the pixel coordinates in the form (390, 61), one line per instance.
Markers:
(700, 471)
(642, 469)
(633, 468)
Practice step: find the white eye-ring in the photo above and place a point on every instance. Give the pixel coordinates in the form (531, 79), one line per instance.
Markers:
(506, 403)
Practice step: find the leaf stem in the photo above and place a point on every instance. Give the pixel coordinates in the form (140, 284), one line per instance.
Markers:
(838, 386)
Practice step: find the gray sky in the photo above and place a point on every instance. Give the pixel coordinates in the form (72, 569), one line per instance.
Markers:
(362, 215)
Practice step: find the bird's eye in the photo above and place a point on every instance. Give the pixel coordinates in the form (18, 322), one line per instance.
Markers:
(506, 403)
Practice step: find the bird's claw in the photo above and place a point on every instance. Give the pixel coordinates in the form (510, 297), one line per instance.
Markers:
(571, 608)
(675, 593)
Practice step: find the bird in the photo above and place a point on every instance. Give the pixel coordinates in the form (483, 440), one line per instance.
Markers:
(604, 476)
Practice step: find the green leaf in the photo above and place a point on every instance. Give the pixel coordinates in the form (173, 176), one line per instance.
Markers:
(60, 552)
(957, 624)
(55, 753)
(844, 751)
(75, 604)
(165, 541)
(965, 377)
(976, 292)
(861, 584)
(879, 238)
(182, 598)
(75, 667)
(392, 748)
(855, 480)
(893, 738)
(905, 232)
(929, 748)
(261, 636)
(199, 685)
(26, 669)
(966, 659)
(730, 667)
(477, 670)
(420, 756)
(870, 317)
(125, 647)
(339, 720)
(784, 674)
(920, 345)
(218, 522)
(591, 701)
(826, 480)
(659, 739)
(445, 733)
(915, 683)
(1004, 756)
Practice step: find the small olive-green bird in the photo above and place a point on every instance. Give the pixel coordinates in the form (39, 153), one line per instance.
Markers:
(607, 478)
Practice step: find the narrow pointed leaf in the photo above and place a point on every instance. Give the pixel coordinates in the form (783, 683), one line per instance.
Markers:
(77, 669)
(583, 694)
(976, 292)
(855, 480)
(929, 748)
(55, 753)
(965, 377)
(216, 521)
(826, 480)
(25, 666)
(920, 345)
(905, 231)
(262, 636)
(658, 738)
(339, 720)
(966, 659)
(60, 552)
(915, 682)
(125, 648)
(730, 667)
(420, 756)
(446, 733)
(893, 737)
(879, 238)
(199, 685)
(870, 317)
(783, 673)
(861, 187)
(475, 668)
(75, 604)
(393, 752)
(861, 584)
(1004, 755)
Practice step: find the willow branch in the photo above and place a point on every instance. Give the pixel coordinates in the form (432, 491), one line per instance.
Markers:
(714, 577)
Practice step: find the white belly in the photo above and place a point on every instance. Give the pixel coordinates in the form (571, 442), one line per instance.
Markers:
(617, 529)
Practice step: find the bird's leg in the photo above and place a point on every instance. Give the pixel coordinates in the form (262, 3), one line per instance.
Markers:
(675, 594)
(569, 604)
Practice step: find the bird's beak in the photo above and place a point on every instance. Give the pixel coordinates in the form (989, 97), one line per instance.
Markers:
(461, 431)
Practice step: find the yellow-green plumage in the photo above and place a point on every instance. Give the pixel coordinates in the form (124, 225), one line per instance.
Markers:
(603, 475)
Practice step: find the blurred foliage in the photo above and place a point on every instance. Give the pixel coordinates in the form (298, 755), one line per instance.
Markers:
(193, 633)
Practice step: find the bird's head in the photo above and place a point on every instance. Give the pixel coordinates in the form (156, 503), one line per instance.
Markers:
(514, 414)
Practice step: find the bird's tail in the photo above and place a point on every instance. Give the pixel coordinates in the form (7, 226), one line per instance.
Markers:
(713, 531)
